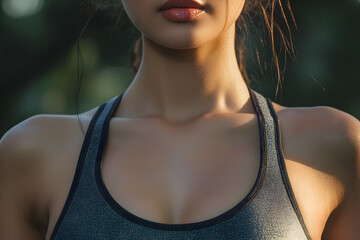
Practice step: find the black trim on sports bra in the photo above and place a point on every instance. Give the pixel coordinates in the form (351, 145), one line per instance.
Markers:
(185, 226)
(79, 168)
(284, 174)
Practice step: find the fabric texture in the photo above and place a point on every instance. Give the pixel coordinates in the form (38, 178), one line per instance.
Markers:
(268, 212)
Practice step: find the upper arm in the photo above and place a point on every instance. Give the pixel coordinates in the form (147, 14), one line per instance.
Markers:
(18, 183)
(344, 221)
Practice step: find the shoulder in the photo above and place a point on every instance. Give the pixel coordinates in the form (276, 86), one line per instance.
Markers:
(24, 147)
(40, 134)
(324, 138)
(327, 126)
(37, 132)
(44, 127)
(29, 146)
(30, 153)
(323, 119)
(327, 140)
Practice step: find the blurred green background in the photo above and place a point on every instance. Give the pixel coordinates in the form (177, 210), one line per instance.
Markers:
(38, 56)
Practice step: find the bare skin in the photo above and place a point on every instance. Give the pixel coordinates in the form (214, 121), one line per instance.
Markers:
(186, 113)
(44, 171)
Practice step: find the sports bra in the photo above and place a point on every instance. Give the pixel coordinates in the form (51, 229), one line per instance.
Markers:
(269, 210)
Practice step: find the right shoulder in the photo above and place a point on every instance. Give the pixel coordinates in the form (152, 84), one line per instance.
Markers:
(41, 134)
(38, 133)
(30, 152)
(30, 143)
(42, 128)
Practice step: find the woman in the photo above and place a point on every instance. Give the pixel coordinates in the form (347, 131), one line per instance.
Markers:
(188, 151)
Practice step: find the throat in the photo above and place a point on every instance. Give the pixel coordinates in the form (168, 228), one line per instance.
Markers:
(182, 106)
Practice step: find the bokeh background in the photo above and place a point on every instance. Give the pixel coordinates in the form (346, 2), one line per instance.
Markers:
(39, 58)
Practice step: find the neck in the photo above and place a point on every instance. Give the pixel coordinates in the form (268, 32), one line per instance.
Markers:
(182, 84)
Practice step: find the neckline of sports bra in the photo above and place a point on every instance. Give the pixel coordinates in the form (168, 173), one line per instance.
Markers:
(183, 226)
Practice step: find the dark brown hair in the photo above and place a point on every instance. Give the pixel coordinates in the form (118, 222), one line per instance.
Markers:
(273, 19)
(268, 18)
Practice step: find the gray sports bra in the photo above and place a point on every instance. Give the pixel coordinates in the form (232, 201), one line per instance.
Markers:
(269, 211)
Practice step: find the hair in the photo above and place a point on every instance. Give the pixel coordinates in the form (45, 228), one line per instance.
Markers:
(275, 25)
(274, 34)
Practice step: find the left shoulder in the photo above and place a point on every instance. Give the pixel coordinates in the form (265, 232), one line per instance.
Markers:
(333, 126)
(328, 140)
(326, 134)
(324, 117)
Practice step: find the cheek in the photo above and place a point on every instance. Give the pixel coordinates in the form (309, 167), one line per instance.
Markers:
(137, 11)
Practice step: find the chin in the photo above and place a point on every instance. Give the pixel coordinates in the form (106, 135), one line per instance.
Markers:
(180, 44)
(180, 39)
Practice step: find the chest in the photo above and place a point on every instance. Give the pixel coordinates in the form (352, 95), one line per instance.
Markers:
(184, 176)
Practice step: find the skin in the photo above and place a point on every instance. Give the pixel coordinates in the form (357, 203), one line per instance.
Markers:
(188, 111)
(180, 78)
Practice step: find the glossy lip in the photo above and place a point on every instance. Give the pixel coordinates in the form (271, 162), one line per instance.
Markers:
(181, 4)
(182, 14)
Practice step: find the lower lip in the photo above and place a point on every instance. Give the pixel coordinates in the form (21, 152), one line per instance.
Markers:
(182, 14)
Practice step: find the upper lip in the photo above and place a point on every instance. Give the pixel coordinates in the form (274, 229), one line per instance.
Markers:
(181, 4)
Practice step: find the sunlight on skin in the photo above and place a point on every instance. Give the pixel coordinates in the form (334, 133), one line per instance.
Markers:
(309, 186)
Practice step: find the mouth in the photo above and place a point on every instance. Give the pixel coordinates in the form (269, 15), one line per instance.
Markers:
(181, 4)
(181, 10)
